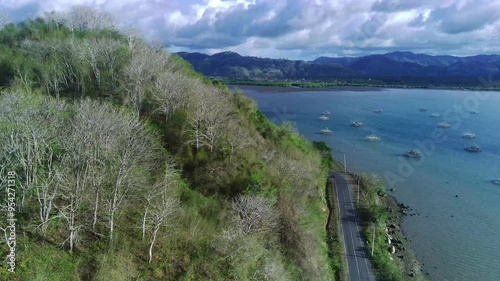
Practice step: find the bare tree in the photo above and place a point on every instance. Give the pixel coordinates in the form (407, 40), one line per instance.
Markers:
(146, 63)
(4, 20)
(209, 116)
(47, 190)
(57, 19)
(238, 139)
(159, 208)
(82, 18)
(133, 34)
(50, 57)
(135, 154)
(101, 127)
(170, 92)
(100, 55)
(33, 127)
(77, 71)
(76, 179)
(254, 214)
(89, 147)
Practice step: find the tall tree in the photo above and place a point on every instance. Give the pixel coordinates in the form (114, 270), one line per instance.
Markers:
(160, 207)
(170, 92)
(146, 64)
(4, 20)
(208, 117)
(135, 154)
(30, 139)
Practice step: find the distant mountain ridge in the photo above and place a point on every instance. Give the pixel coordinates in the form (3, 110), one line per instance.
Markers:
(405, 66)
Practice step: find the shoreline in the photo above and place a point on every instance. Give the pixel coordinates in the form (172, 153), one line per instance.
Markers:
(405, 255)
(279, 89)
(282, 89)
(363, 88)
(399, 247)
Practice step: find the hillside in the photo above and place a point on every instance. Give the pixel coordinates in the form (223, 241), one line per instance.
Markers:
(391, 68)
(126, 164)
(232, 65)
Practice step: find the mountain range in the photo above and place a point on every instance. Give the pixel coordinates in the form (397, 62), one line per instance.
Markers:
(404, 67)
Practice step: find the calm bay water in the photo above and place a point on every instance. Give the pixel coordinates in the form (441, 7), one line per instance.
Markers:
(456, 238)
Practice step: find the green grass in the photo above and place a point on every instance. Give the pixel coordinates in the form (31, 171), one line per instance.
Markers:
(39, 261)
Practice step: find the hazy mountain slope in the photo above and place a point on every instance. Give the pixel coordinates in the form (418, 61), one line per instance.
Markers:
(405, 66)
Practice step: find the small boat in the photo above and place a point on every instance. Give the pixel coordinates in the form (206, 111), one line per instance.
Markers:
(422, 109)
(495, 182)
(379, 110)
(326, 112)
(326, 131)
(468, 135)
(474, 112)
(324, 117)
(372, 137)
(435, 115)
(444, 125)
(356, 124)
(473, 148)
(413, 153)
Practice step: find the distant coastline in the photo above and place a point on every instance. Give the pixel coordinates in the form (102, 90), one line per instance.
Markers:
(278, 89)
(344, 86)
(391, 70)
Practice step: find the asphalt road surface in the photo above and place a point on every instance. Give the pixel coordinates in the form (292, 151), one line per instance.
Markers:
(357, 255)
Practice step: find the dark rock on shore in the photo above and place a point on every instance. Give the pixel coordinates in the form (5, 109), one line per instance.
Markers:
(397, 239)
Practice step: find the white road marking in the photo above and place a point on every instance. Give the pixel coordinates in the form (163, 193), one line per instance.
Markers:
(341, 227)
(357, 227)
(352, 240)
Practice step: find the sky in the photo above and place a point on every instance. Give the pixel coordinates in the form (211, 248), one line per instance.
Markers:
(299, 29)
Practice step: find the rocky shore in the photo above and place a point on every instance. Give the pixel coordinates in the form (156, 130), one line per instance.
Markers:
(398, 245)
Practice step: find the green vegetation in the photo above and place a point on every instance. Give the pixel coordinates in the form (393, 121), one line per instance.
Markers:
(374, 216)
(334, 239)
(131, 166)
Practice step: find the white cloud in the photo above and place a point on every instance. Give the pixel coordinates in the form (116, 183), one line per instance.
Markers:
(301, 28)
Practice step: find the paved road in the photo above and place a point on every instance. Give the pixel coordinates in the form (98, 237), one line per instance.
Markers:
(358, 262)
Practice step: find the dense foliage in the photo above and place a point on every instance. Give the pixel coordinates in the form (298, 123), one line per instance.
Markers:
(131, 166)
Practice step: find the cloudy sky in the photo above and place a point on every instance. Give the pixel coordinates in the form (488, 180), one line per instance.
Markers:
(300, 29)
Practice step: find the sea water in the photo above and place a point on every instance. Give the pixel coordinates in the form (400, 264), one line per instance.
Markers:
(456, 234)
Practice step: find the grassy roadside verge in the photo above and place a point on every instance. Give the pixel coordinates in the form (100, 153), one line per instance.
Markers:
(334, 240)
